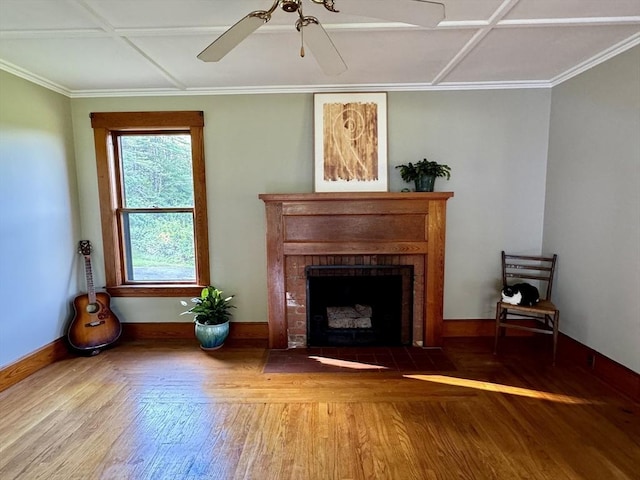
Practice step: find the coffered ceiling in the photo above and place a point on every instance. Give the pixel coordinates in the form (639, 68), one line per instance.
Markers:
(144, 47)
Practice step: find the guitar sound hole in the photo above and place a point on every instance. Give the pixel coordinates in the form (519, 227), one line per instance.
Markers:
(93, 307)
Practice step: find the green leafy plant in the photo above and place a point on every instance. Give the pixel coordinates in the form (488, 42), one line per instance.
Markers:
(211, 307)
(424, 168)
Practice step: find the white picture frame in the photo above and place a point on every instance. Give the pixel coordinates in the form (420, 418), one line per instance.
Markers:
(350, 139)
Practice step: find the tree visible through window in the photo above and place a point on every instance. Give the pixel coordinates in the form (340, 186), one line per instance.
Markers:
(153, 208)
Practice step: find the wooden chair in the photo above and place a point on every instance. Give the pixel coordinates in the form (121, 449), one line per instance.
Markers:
(546, 316)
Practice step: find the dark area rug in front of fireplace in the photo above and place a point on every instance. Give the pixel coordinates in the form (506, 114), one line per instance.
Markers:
(357, 360)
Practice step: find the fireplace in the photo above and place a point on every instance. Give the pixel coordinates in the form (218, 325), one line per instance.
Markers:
(373, 231)
(359, 305)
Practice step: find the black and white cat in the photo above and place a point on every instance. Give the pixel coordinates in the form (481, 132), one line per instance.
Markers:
(520, 294)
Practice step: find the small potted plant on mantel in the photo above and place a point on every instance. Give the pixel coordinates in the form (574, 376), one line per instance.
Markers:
(211, 317)
(424, 173)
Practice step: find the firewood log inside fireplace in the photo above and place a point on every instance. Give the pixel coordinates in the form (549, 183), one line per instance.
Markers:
(358, 316)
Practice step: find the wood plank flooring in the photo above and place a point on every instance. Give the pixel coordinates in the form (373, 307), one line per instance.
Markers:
(166, 410)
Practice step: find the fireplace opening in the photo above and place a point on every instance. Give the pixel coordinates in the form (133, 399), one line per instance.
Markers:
(359, 305)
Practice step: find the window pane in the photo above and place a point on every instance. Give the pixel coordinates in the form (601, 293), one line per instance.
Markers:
(159, 246)
(156, 170)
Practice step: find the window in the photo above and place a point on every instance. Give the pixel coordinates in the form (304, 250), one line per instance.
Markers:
(152, 202)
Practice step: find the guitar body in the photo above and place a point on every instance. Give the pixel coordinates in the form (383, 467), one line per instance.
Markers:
(94, 325)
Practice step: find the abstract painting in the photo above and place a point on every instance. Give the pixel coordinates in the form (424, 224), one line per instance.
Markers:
(350, 142)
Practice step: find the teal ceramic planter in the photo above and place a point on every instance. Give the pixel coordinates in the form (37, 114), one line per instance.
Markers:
(212, 337)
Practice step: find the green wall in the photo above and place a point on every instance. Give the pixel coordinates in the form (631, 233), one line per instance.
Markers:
(592, 217)
(39, 224)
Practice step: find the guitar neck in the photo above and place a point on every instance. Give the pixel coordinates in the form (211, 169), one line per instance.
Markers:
(91, 291)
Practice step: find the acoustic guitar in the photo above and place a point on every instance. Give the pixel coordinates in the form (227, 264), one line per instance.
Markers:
(94, 326)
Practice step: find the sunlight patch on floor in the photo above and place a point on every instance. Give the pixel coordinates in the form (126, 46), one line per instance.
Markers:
(498, 388)
(335, 362)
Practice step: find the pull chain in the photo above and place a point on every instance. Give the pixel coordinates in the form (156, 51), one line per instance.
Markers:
(302, 41)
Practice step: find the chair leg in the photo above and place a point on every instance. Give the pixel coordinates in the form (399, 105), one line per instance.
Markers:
(498, 316)
(556, 322)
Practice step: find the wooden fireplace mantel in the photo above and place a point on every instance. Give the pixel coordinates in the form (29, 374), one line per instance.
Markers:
(376, 223)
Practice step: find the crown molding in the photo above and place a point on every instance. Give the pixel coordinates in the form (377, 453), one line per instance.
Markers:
(292, 89)
(33, 78)
(602, 57)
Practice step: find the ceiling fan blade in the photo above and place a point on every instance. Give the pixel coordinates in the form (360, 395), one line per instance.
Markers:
(232, 37)
(322, 48)
(413, 12)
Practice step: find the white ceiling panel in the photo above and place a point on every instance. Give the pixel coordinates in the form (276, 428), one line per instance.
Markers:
(170, 13)
(531, 9)
(109, 47)
(398, 57)
(535, 53)
(94, 63)
(42, 15)
(470, 10)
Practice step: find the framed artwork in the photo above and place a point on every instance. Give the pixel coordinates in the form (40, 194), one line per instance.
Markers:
(350, 142)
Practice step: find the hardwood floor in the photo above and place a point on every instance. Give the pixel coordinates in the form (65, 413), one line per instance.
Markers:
(166, 410)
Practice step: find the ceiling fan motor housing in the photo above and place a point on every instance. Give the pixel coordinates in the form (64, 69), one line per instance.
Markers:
(290, 6)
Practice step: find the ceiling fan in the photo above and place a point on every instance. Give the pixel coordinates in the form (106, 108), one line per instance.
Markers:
(415, 12)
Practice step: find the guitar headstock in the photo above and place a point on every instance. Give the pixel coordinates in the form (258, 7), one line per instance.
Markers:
(84, 247)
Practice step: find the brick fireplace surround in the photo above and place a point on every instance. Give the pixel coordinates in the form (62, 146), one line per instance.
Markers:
(353, 229)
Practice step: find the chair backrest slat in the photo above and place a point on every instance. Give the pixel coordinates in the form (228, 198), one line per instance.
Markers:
(516, 266)
(527, 276)
(530, 267)
(529, 257)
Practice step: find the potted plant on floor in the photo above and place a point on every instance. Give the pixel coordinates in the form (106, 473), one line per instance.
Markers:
(424, 173)
(211, 317)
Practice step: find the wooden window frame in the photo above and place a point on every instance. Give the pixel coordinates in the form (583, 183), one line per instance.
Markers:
(105, 125)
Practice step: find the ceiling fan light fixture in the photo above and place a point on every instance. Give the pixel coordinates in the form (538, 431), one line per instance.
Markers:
(328, 4)
(291, 6)
(305, 22)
